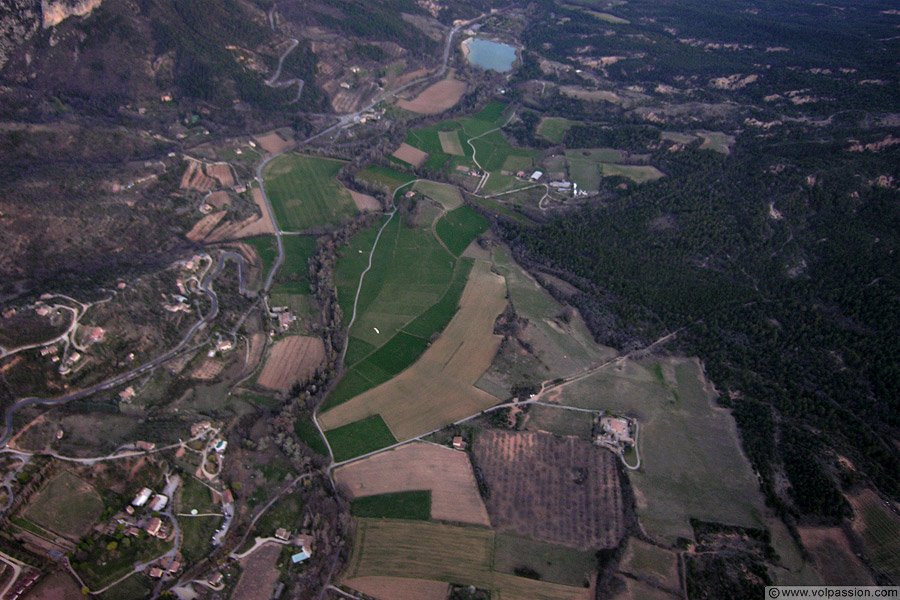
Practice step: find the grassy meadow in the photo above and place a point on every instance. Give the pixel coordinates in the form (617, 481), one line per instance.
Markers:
(691, 461)
(305, 193)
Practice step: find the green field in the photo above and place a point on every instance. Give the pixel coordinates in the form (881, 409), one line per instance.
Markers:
(691, 460)
(559, 421)
(459, 227)
(267, 249)
(198, 532)
(287, 513)
(305, 193)
(414, 505)
(554, 128)
(636, 173)
(195, 495)
(556, 564)
(410, 294)
(298, 249)
(585, 173)
(359, 438)
(646, 560)
(384, 177)
(67, 505)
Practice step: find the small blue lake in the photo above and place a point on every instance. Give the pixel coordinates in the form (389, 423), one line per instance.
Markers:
(491, 55)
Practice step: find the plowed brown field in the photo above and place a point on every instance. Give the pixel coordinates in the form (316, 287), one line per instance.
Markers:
(202, 227)
(222, 172)
(436, 98)
(559, 490)
(290, 360)
(410, 155)
(399, 588)
(418, 466)
(194, 179)
(259, 576)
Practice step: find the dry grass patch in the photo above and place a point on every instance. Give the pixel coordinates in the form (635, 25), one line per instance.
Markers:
(272, 142)
(447, 473)
(204, 226)
(208, 369)
(365, 202)
(399, 588)
(438, 389)
(448, 195)
(410, 155)
(559, 490)
(833, 557)
(259, 574)
(591, 95)
(67, 506)
(436, 98)
(437, 552)
(291, 359)
(450, 142)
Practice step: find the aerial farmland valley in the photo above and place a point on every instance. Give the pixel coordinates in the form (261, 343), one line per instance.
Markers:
(448, 299)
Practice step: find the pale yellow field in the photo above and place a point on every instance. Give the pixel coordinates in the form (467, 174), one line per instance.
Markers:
(400, 588)
(438, 388)
(461, 555)
(447, 195)
(450, 143)
(447, 473)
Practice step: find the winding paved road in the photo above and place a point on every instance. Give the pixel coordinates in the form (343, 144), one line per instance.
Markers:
(206, 286)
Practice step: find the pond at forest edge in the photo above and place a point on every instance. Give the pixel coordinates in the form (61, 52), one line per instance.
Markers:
(490, 55)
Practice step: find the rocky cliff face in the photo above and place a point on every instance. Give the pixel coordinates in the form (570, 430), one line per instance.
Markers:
(19, 20)
(56, 11)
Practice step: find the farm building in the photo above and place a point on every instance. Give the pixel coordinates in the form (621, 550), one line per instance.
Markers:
(459, 443)
(153, 526)
(146, 446)
(198, 428)
(159, 503)
(142, 497)
(536, 175)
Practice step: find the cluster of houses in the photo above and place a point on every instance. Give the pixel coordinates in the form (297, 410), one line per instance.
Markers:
(304, 542)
